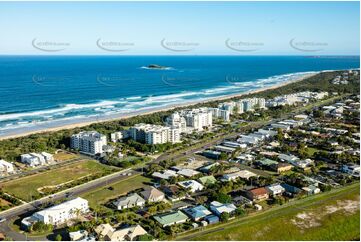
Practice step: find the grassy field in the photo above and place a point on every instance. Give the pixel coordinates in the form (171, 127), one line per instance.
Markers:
(25, 188)
(64, 156)
(330, 216)
(102, 195)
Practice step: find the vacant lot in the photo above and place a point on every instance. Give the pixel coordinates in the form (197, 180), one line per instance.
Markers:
(102, 195)
(64, 156)
(330, 216)
(28, 187)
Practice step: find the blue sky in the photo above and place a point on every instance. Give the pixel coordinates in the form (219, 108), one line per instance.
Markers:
(186, 28)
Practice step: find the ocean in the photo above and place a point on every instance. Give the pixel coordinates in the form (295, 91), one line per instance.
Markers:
(49, 91)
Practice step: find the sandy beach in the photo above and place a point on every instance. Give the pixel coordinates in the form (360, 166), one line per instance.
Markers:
(41, 128)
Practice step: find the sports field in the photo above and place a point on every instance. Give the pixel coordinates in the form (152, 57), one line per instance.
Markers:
(330, 216)
(28, 187)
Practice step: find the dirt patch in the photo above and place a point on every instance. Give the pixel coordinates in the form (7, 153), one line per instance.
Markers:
(306, 220)
(347, 206)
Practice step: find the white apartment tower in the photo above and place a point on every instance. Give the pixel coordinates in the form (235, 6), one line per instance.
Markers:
(90, 142)
(154, 134)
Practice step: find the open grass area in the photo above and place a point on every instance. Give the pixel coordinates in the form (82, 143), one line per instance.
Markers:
(64, 156)
(330, 216)
(27, 188)
(311, 150)
(102, 195)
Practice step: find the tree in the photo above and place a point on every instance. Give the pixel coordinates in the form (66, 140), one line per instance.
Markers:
(224, 217)
(145, 237)
(58, 237)
(240, 212)
(222, 198)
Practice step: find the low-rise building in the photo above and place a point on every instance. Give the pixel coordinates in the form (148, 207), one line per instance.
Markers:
(191, 185)
(173, 192)
(197, 213)
(311, 189)
(171, 218)
(6, 167)
(102, 230)
(258, 194)
(212, 154)
(130, 233)
(244, 174)
(219, 208)
(59, 214)
(129, 201)
(152, 194)
(275, 189)
(166, 174)
(351, 169)
(207, 180)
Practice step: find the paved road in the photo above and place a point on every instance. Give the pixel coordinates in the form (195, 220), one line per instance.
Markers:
(13, 213)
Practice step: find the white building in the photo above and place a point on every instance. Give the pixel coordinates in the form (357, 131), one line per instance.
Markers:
(244, 174)
(154, 134)
(198, 119)
(219, 208)
(275, 189)
(61, 213)
(35, 159)
(220, 113)
(132, 200)
(89, 142)
(177, 121)
(116, 136)
(6, 167)
(192, 185)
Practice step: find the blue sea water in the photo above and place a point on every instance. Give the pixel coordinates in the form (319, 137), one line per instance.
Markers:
(53, 90)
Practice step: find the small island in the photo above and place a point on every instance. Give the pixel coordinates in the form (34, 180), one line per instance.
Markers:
(154, 66)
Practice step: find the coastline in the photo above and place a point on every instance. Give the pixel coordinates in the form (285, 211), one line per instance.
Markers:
(147, 111)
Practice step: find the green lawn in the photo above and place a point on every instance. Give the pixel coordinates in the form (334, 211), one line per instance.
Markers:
(25, 188)
(311, 151)
(102, 195)
(330, 216)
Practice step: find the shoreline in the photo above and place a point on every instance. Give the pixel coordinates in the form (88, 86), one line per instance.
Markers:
(120, 116)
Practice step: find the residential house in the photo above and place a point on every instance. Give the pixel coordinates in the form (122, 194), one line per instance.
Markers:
(219, 208)
(197, 213)
(191, 185)
(212, 219)
(187, 172)
(6, 167)
(129, 201)
(102, 230)
(257, 194)
(78, 235)
(152, 194)
(207, 180)
(275, 189)
(171, 218)
(167, 174)
(127, 234)
(173, 192)
(311, 189)
(244, 174)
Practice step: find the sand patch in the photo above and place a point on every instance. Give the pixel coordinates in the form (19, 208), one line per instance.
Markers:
(305, 220)
(308, 220)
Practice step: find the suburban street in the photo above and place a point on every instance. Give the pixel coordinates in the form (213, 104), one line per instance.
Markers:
(10, 214)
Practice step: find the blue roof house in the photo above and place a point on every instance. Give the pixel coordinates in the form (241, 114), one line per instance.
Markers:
(197, 213)
(212, 219)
